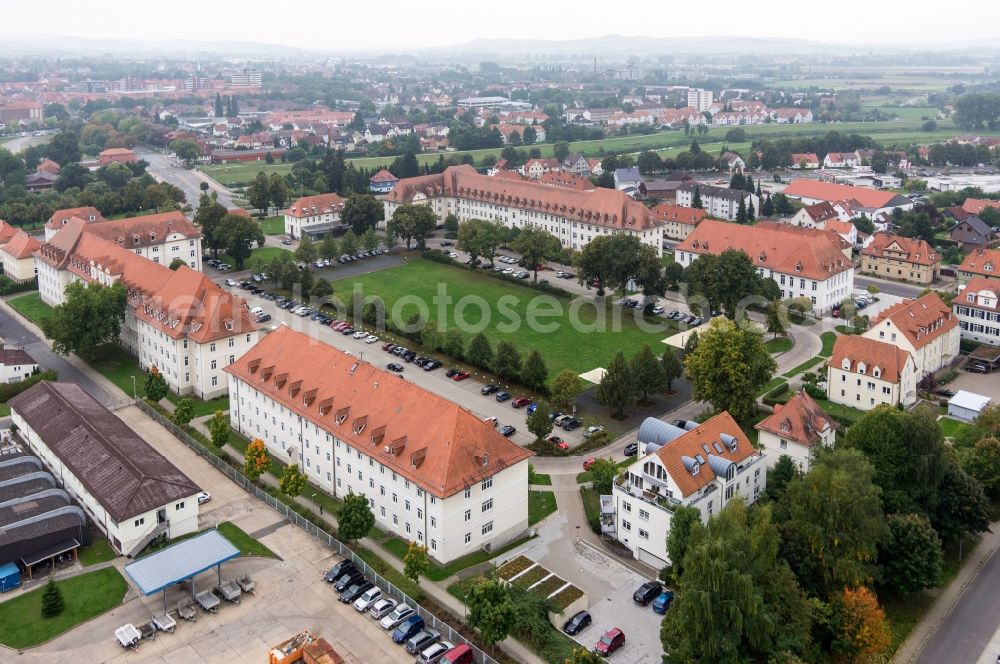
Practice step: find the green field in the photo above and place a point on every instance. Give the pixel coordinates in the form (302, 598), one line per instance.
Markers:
(98, 551)
(272, 225)
(85, 596)
(263, 253)
(779, 345)
(579, 347)
(540, 505)
(31, 307)
(247, 545)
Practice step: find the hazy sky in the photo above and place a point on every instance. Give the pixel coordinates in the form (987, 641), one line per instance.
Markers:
(338, 24)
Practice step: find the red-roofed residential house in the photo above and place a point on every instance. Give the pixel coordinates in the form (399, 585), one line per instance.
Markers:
(704, 468)
(977, 205)
(864, 373)
(382, 182)
(805, 160)
(978, 309)
(979, 262)
(119, 155)
(796, 429)
(900, 258)
(926, 328)
(315, 215)
(433, 472)
(18, 255)
(871, 201)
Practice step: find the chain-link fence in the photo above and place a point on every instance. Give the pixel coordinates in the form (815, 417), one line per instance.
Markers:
(433, 622)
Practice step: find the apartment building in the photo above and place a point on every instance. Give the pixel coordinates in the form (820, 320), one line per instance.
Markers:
(718, 202)
(60, 218)
(900, 258)
(796, 429)
(870, 201)
(926, 328)
(704, 467)
(160, 238)
(678, 222)
(983, 263)
(128, 489)
(804, 262)
(864, 373)
(433, 472)
(18, 256)
(176, 320)
(314, 215)
(574, 216)
(977, 307)
(700, 99)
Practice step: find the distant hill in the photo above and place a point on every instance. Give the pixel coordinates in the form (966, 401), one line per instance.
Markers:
(38, 44)
(622, 46)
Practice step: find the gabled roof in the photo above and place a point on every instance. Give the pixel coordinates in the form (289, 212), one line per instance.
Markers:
(982, 261)
(383, 176)
(821, 211)
(7, 231)
(839, 227)
(21, 245)
(427, 439)
(890, 359)
(807, 157)
(308, 206)
(60, 217)
(812, 253)
(977, 205)
(977, 287)
(921, 321)
(117, 151)
(18, 356)
(121, 470)
(144, 231)
(977, 225)
(709, 191)
(48, 166)
(678, 213)
(828, 191)
(719, 442)
(914, 250)
(800, 420)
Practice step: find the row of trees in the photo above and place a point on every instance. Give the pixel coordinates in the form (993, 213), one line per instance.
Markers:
(634, 380)
(222, 231)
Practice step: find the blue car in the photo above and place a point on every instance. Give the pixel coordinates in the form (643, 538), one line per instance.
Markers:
(407, 628)
(532, 408)
(662, 602)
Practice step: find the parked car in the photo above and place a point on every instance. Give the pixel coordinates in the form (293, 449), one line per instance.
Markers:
(431, 365)
(450, 372)
(508, 430)
(663, 601)
(945, 393)
(520, 402)
(339, 570)
(612, 640)
(381, 608)
(487, 390)
(647, 592)
(589, 463)
(503, 396)
(347, 579)
(393, 366)
(460, 654)
(571, 424)
(559, 418)
(447, 243)
(433, 653)
(422, 640)
(593, 431)
(492, 421)
(367, 598)
(407, 628)
(558, 442)
(388, 347)
(231, 283)
(370, 339)
(356, 590)
(577, 623)
(204, 497)
(631, 449)
(398, 615)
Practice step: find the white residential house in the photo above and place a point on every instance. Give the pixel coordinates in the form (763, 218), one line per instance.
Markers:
(718, 202)
(841, 160)
(704, 467)
(926, 328)
(432, 471)
(796, 429)
(977, 307)
(18, 257)
(627, 177)
(864, 373)
(315, 215)
(15, 364)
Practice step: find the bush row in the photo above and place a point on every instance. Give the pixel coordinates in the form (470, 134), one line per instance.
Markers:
(10, 390)
(774, 396)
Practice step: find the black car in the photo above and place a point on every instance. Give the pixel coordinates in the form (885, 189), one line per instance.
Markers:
(681, 424)
(447, 243)
(431, 365)
(392, 366)
(339, 570)
(507, 430)
(451, 372)
(409, 355)
(264, 317)
(945, 393)
(647, 592)
(355, 590)
(571, 423)
(631, 449)
(487, 390)
(502, 396)
(577, 623)
(347, 579)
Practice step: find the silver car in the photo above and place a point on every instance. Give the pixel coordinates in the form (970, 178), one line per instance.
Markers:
(367, 598)
(398, 615)
(434, 653)
(381, 608)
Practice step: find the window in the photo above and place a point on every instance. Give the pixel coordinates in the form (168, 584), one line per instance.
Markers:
(141, 520)
(487, 528)
(468, 538)
(232, 342)
(468, 492)
(434, 522)
(644, 515)
(783, 444)
(626, 507)
(626, 525)
(434, 545)
(382, 510)
(215, 379)
(179, 506)
(407, 504)
(487, 483)
(488, 505)
(643, 534)
(395, 520)
(211, 347)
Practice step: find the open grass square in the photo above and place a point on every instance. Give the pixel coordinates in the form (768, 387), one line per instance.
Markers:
(247, 545)
(272, 225)
(31, 307)
(86, 596)
(561, 344)
(779, 345)
(99, 551)
(540, 505)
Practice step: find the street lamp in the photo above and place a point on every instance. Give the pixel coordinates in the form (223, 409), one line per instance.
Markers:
(135, 395)
(318, 504)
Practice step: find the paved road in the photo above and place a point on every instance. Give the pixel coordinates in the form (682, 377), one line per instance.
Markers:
(164, 168)
(22, 143)
(862, 282)
(968, 630)
(14, 332)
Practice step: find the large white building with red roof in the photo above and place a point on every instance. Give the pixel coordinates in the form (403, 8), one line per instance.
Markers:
(179, 321)
(704, 467)
(804, 262)
(926, 328)
(864, 373)
(433, 472)
(871, 201)
(977, 306)
(315, 215)
(574, 216)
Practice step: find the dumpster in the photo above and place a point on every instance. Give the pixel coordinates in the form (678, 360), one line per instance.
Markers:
(10, 577)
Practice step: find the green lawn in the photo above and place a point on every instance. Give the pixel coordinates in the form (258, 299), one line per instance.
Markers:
(843, 414)
(808, 364)
(541, 479)
(950, 427)
(86, 596)
(591, 505)
(263, 253)
(4, 409)
(99, 551)
(770, 385)
(779, 345)
(247, 545)
(845, 329)
(562, 344)
(540, 505)
(273, 225)
(31, 307)
(828, 338)
(435, 572)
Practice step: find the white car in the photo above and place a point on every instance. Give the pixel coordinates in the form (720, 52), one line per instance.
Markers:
(509, 270)
(370, 339)
(453, 255)
(398, 615)
(592, 430)
(204, 497)
(367, 598)
(360, 334)
(230, 283)
(381, 608)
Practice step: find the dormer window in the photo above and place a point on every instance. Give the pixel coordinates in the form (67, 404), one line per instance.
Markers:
(695, 468)
(971, 297)
(861, 368)
(876, 372)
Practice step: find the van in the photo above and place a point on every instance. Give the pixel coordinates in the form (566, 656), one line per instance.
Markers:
(460, 654)
(257, 311)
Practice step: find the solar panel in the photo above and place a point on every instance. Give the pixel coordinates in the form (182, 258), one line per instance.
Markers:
(718, 448)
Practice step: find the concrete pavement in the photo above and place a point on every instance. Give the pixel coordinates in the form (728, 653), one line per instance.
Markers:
(163, 168)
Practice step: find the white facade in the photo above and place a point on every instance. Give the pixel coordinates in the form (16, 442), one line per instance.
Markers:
(863, 387)
(489, 513)
(15, 372)
(175, 245)
(718, 206)
(18, 269)
(978, 310)
(700, 99)
(928, 356)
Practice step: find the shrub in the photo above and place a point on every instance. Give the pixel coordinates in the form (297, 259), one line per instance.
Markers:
(775, 395)
(814, 391)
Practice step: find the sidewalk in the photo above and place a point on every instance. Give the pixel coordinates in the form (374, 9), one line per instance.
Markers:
(949, 597)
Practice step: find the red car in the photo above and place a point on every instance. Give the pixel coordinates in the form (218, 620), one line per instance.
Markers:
(588, 463)
(461, 375)
(612, 640)
(558, 442)
(520, 402)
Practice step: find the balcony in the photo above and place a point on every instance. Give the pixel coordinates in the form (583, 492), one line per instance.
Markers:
(652, 496)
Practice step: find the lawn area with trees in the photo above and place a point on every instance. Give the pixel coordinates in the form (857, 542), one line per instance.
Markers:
(31, 307)
(563, 347)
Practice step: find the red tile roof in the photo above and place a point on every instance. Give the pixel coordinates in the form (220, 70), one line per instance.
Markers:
(117, 151)
(890, 359)
(985, 262)
(913, 250)
(59, 217)
(922, 320)
(21, 245)
(975, 287)
(677, 455)
(828, 191)
(383, 176)
(308, 206)
(821, 211)
(977, 205)
(601, 207)
(807, 157)
(48, 166)
(678, 213)
(146, 230)
(810, 252)
(567, 180)
(800, 420)
(7, 231)
(427, 439)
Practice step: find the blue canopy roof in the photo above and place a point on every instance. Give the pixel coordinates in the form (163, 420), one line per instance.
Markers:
(181, 561)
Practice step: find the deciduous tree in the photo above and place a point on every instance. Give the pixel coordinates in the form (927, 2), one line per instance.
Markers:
(647, 373)
(361, 212)
(672, 367)
(292, 480)
(306, 251)
(480, 353)
(90, 317)
(539, 422)
(681, 524)
(184, 412)
(259, 192)
(256, 460)
(536, 246)
(861, 628)
(155, 385)
(354, 517)
(603, 473)
(241, 234)
(617, 388)
(218, 429)
(412, 222)
(507, 361)
(491, 610)
(565, 388)
(534, 372)
(911, 558)
(415, 562)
